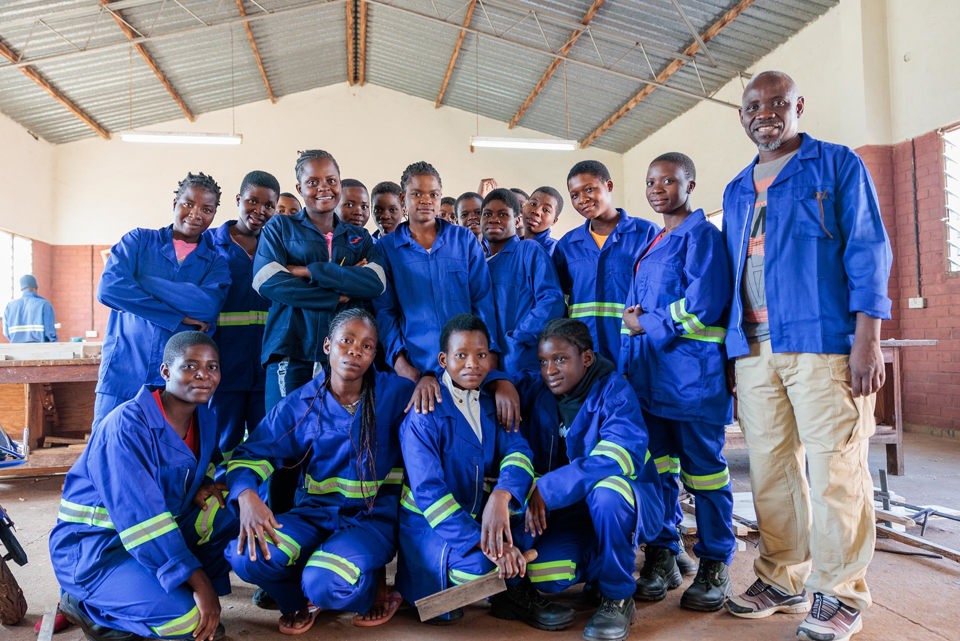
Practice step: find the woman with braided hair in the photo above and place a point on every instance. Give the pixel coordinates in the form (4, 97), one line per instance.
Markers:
(341, 429)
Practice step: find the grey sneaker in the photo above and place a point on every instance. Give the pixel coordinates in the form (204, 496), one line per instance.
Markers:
(761, 600)
(830, 620)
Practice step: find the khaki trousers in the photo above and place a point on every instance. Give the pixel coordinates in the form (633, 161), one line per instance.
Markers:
(797, 404)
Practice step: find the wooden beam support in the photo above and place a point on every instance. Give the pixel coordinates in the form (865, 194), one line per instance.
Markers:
(142, 50)
(456, 52)
(362, 49)
(587, 17)
(31, 72)
(256, 52)
(351, 60)
(670, 69)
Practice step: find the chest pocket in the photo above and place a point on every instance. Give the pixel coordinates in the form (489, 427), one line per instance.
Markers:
(661, 280)
(814, 213)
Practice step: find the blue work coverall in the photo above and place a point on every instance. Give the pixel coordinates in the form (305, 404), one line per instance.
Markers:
(128, 535)
(149, 293)
(29, 319)
(333, 543)
(545, 240)
(597, 280)
(678, 369)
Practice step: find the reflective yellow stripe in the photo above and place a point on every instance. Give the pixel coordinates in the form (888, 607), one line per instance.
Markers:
(459, 576)
(147, 530)
(180, 626)
(689, 321)
(667, 465)
(596, 309)
(76, 513)
(263, 469)
(394, 477)
(617, 453)
(708, 334)
(336, 564)
(204, 523)
(212, 470)
(349, 488)
(565, 570)
(517, 459)
(13, 329)
(440, 510)
(288, 545)
(407, 502)
(237, 319)
(706, 482)
(620, 486)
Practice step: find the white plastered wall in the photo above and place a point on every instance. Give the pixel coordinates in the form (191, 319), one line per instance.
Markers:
(27, 181)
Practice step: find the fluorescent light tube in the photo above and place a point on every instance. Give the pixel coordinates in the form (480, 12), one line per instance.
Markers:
(546, 144)
(171, 138)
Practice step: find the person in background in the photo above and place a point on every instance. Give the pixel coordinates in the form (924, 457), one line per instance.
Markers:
(387, 208)
(29, 319)
(469, 205)
(540, 214)
(522, 198)
(287, 204)
(448, 209)
(354, 205)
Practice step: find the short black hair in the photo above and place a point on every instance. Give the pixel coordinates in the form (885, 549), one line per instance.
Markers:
(419, 168)
(259, 178)
(314, 154)
(200, 180)
(386, 187)
(520, 192)
(553, 193)
(287, 194)
(592, 167)
(505, 195)
(682, 161)
(449, 200)
(571, 330)
(179, 343)
(462, 323)
(353, 182)
(465, 195)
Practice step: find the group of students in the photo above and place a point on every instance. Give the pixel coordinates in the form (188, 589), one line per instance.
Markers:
(445, 393)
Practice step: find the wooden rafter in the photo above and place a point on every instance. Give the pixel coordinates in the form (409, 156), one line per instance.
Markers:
(31, 72)
(456, 53)
(362, 45)
(256, 52)
(587, 17)
(162, 77)
(351, 29)
(670, 69)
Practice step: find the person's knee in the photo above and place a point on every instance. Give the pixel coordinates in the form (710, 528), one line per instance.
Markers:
(334, 582)
(611, 496)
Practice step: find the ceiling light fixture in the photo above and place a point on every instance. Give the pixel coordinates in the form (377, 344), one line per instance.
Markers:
(180, 138)
(545, 144)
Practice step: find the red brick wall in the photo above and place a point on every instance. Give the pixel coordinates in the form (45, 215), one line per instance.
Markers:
(931, 385)
(77, 270)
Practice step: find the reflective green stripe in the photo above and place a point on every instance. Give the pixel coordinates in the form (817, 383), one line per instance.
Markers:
(76, 513)
(597, 309)
(288, 545)
(204, 522)
(147, 530)
(459, 576)
(407, 502)
(212, 470)
(263, 469)
(708, 334)
(336, 564)
(624, 330)
(620, 486)
(349, 488)
(667, 465)
(180, 626)
(646, 456)
(617, 453)
(237, 319)
(441, 509)
(394, 477)
(707, 482)
(689, 321)
(25, 328)
(565, 570)
(517, 459)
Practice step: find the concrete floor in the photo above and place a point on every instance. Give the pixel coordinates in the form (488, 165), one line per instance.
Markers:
(913, 595)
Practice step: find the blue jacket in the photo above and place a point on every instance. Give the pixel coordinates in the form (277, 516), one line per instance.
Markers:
(527, 295)
(309, 425)
(597, 281)
(123, 496)
(544, 240)
(426, 289)
(822, 265)
(29, 319)
(149, 293)
(239, 332)
(677, 367)
(607, 443)
(301, 310)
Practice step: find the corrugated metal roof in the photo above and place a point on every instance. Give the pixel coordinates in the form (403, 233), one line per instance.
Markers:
(203, 50)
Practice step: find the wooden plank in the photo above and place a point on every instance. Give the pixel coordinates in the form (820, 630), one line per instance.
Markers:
(73, 372)
(13, 404)
(256, 52)
(886, 515)
(458, 596)
(46, 624)
(362, 42)
(456, 53)
(351, 61)
(75, 405)
(919, 542)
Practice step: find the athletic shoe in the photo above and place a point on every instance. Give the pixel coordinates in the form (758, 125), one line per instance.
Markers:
(761, 600)
(830, 620)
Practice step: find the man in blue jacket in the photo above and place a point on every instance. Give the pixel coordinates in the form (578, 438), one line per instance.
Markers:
(805, 332)
(29, 319)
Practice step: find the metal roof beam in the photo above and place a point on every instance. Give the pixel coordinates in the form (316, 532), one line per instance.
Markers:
(256, 52)
(456, 49)
(157, 71)
(572, 40)
(57, 95)
(670, 69)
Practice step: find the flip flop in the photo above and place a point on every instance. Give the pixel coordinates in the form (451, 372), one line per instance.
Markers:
(309, 612)
(388, 607)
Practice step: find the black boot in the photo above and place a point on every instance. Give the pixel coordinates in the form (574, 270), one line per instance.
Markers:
(522, 602)
(686, 565)
(658, 574)
(611, 621)
(710, 588)
(72, 610)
